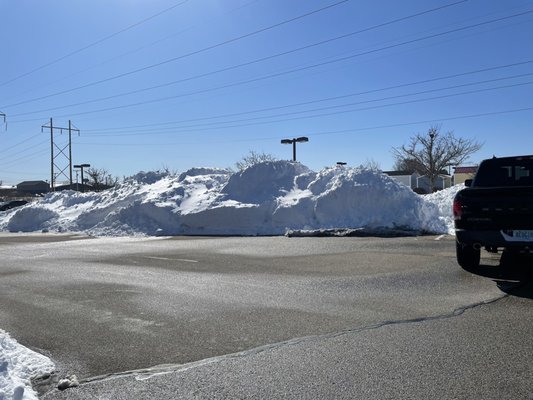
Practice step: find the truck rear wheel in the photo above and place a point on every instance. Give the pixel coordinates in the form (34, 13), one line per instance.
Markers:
(467, 256)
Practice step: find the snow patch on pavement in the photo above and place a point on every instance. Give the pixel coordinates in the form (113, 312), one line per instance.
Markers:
(18, 365)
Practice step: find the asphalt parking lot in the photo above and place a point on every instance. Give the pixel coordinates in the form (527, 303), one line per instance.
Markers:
(111, 305)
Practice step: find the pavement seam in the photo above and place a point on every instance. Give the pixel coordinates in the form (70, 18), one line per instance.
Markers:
(147, 373)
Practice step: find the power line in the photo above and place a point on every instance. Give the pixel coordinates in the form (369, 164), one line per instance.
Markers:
(388, 98)
(26, 157)
(5, 160)
(321, 133)
(92, 44)
(136, 50)
(349, 130)
(477, 71)
(188, 128)
(427, 121)
(187, 54)
(371, 91)
(323, 99)
(395, 104)
(233, 67)
(316, 65)
(19, 143)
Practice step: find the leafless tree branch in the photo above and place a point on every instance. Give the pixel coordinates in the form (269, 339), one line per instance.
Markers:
(431, 153)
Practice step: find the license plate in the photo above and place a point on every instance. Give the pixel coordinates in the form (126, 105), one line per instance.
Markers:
(518, 235)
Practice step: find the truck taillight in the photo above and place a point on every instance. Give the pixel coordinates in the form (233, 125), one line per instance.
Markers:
(457, 210)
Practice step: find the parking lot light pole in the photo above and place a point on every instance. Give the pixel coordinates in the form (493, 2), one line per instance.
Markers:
(81, 166)
(293, 141)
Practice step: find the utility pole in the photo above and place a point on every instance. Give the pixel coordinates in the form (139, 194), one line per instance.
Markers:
(61, 154)
(3, 116)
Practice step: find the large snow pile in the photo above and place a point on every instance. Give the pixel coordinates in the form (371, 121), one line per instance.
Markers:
(266, 199)
(18, 365)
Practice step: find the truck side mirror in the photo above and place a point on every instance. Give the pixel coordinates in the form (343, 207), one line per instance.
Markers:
(468, 182)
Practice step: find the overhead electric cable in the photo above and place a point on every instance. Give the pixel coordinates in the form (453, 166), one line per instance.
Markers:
(187, 54)
(320, 100)
(322, 108)
(93, 43)
(127, 53)
(349, 130)
(9, 162)
(195, 128)
(345, 58)
(233, 67)
(371, 107)
(468, 116)
(19, 143)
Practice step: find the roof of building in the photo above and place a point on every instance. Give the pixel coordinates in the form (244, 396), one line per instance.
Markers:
(465, 170)
(399, 173)
(32, 183)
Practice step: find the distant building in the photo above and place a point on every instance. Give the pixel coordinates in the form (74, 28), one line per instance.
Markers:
(33, 187)
(442, 181)
(420, 183)
(461, 174)
(405, 177)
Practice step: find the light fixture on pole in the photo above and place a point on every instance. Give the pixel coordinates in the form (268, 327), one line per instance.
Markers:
(81, 166)
(293, 141)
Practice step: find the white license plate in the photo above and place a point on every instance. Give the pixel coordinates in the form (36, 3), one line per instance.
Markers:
(518, 236)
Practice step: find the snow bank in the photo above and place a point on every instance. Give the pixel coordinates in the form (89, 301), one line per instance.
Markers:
(265, 199)
(443, 200)
(18, 365)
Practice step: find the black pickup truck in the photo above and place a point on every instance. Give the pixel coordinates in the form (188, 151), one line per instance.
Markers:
(495, 210)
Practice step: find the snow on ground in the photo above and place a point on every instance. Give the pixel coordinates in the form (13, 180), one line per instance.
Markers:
(269, 198)
(18, 365)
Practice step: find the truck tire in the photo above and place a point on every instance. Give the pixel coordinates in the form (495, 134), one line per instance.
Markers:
(467, 257)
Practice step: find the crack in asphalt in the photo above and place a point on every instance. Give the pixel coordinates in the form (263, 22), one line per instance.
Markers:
(163, 369)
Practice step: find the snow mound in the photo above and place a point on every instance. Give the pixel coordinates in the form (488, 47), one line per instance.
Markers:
(18, 365)
(268, 198)
(263, 181)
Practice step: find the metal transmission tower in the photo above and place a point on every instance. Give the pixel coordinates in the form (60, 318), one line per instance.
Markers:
(60, 153)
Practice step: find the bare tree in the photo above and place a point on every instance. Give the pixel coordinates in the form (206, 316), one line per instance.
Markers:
(434, 151)
(408, 165)
(165, 169)
(371, 164)
(253, 158)
(100, 178)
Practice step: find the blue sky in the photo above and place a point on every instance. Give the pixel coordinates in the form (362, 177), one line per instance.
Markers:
(179, 84)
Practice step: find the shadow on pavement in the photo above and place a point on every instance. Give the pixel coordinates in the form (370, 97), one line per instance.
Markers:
(513, 275)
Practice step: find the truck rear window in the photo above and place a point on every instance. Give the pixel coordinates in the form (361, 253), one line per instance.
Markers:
(505, 172)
